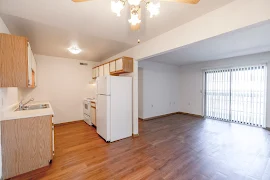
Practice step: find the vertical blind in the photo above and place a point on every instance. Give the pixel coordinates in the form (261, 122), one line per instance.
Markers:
(237, 94)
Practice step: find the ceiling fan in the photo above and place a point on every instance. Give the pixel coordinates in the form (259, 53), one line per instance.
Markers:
(135, 9)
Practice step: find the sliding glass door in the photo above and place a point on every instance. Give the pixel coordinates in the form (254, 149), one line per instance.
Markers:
(236, 94)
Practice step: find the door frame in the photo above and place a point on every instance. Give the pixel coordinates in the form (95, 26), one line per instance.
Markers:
(204, 93)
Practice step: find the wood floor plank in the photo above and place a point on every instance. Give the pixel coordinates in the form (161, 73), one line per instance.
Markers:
(174, 147)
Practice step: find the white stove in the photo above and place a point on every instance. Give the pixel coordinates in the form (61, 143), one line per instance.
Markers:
(87, 110)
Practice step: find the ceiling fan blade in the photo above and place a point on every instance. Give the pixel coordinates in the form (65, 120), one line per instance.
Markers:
(79, 1)
(184, 1)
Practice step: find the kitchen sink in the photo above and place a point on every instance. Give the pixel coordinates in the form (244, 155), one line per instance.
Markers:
(34, 107)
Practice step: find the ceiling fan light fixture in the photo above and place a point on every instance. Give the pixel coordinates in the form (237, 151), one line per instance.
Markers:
(134, 2)
(74, 49)
(117, 6)
(153, 8)
(134, 19)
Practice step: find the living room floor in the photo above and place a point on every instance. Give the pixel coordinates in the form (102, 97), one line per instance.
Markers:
(173, 147)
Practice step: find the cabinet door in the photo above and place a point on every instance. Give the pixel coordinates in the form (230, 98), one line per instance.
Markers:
(13, 61)
(106, 69)
(34, 64)
(26, 145)
(112, 66)
(29, 65)
(93, 115)
(119, 65)
(93, 104)
(97, 72)
(100, 69)
(93, 73)
(34, 70)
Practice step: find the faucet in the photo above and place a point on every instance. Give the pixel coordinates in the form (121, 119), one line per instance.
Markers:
(22, 105)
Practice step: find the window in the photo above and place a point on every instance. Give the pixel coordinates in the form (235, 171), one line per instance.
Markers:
(237, 94)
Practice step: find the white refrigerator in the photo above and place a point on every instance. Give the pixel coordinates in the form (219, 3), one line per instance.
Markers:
(114, 107)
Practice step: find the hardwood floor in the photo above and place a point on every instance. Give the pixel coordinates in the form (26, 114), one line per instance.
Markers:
(175, 147)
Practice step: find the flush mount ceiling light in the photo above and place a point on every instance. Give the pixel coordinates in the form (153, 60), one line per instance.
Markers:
(74, 49)
(152, 6)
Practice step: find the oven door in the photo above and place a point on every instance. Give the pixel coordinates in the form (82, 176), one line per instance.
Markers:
(87, 119)
(86, 108)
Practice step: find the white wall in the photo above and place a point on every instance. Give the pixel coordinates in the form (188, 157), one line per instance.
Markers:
(65, 84)
(3, 27)
(191, 79)
(158, 89)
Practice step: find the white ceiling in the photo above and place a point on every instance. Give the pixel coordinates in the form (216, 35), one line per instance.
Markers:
(250, 40)
(54, 41)
(52, 25)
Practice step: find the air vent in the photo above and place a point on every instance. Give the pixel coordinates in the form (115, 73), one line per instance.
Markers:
(83, 64)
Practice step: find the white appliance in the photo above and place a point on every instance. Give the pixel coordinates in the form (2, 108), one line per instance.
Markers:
(52, 136)
(87, 110)
(114, 107)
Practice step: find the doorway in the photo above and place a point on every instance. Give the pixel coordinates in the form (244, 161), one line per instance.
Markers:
(237, 94)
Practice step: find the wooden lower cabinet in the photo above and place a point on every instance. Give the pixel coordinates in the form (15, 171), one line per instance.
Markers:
(26, 145)
(93, 113)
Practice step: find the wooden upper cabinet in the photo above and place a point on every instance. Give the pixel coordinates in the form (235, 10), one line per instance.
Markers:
(29, 67)
(118, 64)
(16, 61)
(123, 65)
(100, 69)
(32, 66)
(94, 73)
(115, 67)
(33, 69)
(106, 69)
(97, 72)
(112, 66)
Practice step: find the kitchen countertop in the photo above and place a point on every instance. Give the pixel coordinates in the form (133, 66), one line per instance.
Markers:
(11, 114)
(93, 100)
